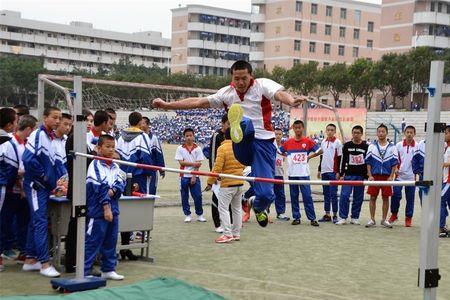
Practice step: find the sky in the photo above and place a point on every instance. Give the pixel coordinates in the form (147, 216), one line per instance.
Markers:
(116, 15)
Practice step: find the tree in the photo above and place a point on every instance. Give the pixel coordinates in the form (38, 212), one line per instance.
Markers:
(278, 74)
(302, 78)
(359, 79)
(419, 65)
(334, 78)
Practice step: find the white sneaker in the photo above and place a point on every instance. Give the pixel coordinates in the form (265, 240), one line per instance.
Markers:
(31, 267)
(355, 222)
(201, 218)
(188, 219)
(386, 224)
(371, 223)
(219, 229)
(112, 275)
(341, 222)
(50, 272)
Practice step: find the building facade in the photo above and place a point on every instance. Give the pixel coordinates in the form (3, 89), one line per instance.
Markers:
(408, 24)
(287, 32)
(79, 45)
(207, 40)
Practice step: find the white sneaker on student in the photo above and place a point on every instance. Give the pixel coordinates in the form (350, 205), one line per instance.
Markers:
(201, 218)
(371, 223)
(219, 229)
(188, 219)
(31, 267)
(112, 275)
(50, 272)
(355, 222)
(386, 224)
(341, 222)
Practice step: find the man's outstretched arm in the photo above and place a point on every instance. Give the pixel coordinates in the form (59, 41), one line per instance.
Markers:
(286, 98)
(188, 103)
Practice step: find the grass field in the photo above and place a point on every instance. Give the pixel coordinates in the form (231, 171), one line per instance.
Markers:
(279, 262)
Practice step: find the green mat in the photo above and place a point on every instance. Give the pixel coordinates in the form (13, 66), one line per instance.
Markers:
(155, 289)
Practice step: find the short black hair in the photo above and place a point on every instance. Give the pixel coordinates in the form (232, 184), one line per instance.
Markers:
(49, 110)
(100, 117)
(147, 120)
(332, 125)
(26, 121)
(383, 126)
(188, 130)
(299, 122)
(224, 118)
(358, 127)
(66, 116)
(447, 128)
(109, 110)
(241, 65)
(228, 134)
(22, 109)
(410, 127)
(86, 112)
(277, 128)
(103, 138)
(7, 115)
(134, 118)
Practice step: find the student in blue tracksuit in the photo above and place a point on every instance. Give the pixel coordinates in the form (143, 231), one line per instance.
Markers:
(105, 183)
(59, 144)
(417, 163)
(39, 180)
(9, 163)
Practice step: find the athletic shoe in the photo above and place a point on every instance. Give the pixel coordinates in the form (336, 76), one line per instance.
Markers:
(408, 222)
(112, 275)
(235, 114)
(262, 218)
(31, 267)
(21, 258)
(355, 222)
(128, 254)
(335, 219)
(223, 239)
(246, 208)
(201, 218)
(9, 254)
(371, 223)
(283, 217)
(325, 218)
(443, 232)
(236, 238)
(50, 272)
(314, 223)
(393, 219)
(1, 264)
(188, 219)
(341, 222)
(386, 224)
(296, 222)
(219, 229)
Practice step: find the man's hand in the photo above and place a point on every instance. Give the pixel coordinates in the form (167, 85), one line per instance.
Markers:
(208, 187)
(111, 193)
(299, 100)
(107, 213)
(371, 178)
(319, 175)
(193, 180)
(391, 178)
(338, 176)
(162, 174)
(159, 103)
(197, 164)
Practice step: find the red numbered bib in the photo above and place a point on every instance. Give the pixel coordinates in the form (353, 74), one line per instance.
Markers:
(279, 162)
(356, 160)
(300, 158)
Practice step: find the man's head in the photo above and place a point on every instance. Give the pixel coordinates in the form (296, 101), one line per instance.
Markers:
(106, 146)
(225, 123)
(145, 125)
(410, 132)
(298, 128)
(382, 132)
(447, 134)
(101, 120)
(278, 134)
(8, 119)
(112, 118)
(21, 109)
(52, 117)
(135, 119)
(65, 125)
(241, 75)
(331, 130)
(357, 132)
(188, 134)
(26, 125)
(89, 119)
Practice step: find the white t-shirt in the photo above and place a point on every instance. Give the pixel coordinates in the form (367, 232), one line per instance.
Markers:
(446, 170)
(256, 103)
(332, 148)
(405, 155)
(195, 154)
(279, 163)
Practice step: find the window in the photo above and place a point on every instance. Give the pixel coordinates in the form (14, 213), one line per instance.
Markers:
(325, 64)
(433, 6)
(370, 44)
(357, 16)
(327, 29)
(327, 49)
(298, 25)
(200, 70)
(342, 32)
(298, 6)
(314, 9)
(312, 47)
(206, 70)
(355, 51)
(313, 28)
(343, 13)
(439, 7)
(296, 61)
(370, 27)
(329, 11)
(356, 34)
(341, 51)
(297, 45)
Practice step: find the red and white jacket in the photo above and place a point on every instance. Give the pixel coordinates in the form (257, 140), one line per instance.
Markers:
(331, 157)
(446, 170)
(405, 156)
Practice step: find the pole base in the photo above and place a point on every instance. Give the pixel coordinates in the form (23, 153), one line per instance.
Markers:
(65, 285)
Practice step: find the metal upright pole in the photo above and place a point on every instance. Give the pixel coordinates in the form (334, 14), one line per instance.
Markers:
(41, 98)
(305, 117)
(79, 175)
(429, 230)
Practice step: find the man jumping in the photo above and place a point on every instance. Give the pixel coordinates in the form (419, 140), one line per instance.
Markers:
(248, 101)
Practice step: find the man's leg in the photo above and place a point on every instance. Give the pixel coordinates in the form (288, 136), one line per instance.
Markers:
(196, 193)
(184, 190)
(294, 193)
(445, 195)
(358, 198)
(333, 195)
(344, 201)
(280, 197)
(225, 197)
(108, 248)
(40, 200)
(326, 196)
(95, 235)
(410, 192)
(395, 202)
(236, 212)
(308, 200)
(385, 207)
(372, 207)
(23, 218)
(7, 215)
(244, 151)
(215, 211)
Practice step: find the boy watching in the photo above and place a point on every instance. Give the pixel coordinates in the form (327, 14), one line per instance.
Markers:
(445, 200)
(105, 183)
(59, 143)
(278, 189)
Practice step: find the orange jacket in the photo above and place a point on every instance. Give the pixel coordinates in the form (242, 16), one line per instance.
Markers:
(228, 164)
